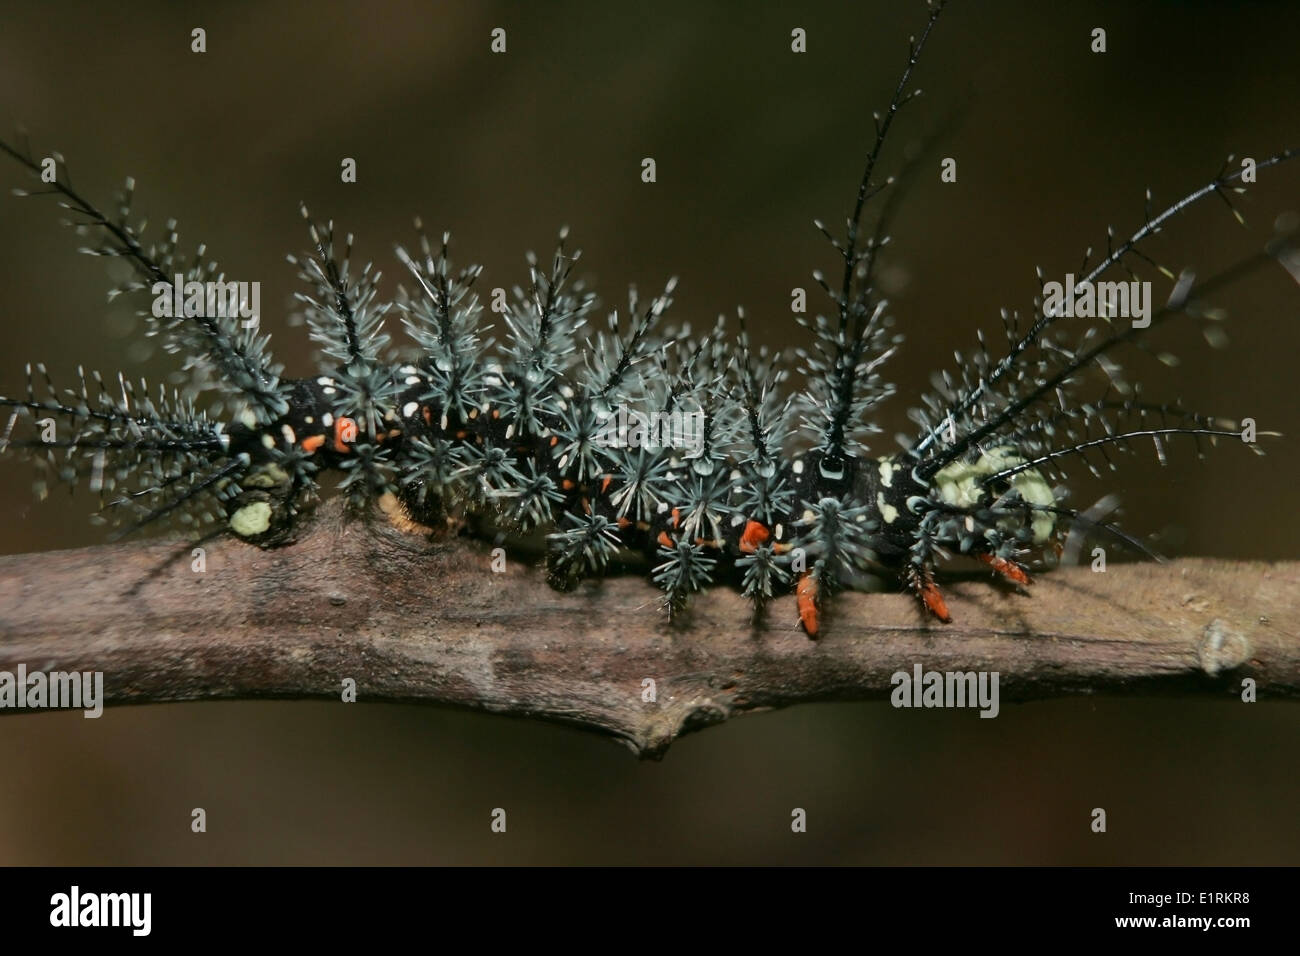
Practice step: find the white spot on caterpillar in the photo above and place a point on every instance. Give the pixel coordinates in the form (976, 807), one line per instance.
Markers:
(324, 380)
(289, 437)
(663, 507)
(266, 477)
(408, 370)
(808, 516)
(960, 484)
(797, 466)
(887, 511)
(248, 419)
(886, 472)
(735, 475)
(329, 391)
(736, 519)
(410, 408)
(780, 531)
(327, 420)
(251, 519)
(309, 420)
(510, 432)
(413, 380)
(268, 441)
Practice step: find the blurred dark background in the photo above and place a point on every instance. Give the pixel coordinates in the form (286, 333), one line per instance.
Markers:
(752, 142)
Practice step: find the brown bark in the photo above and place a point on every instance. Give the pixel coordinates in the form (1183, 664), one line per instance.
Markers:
(416, 620)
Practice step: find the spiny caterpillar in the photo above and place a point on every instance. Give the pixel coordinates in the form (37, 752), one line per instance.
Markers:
(771, 491)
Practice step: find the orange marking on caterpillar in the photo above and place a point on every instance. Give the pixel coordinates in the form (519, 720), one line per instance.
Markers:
(428, 415)
(624, 523)
(806, 593)
(566, 484)
(311, 444)
(664, 540)
(345, 432)
(754, 535)
(1008, 569)
(604, 484)
(677, 517)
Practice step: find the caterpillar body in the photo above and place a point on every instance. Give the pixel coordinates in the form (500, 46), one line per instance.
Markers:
(774, 492)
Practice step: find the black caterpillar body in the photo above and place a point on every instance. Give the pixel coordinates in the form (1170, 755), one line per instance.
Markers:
(776, 492)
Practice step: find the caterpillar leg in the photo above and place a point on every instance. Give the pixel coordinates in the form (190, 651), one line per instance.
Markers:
(921, 582)
(1008, 569)
(806, 596)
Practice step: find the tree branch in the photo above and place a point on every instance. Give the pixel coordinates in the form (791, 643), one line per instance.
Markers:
(411, 619)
